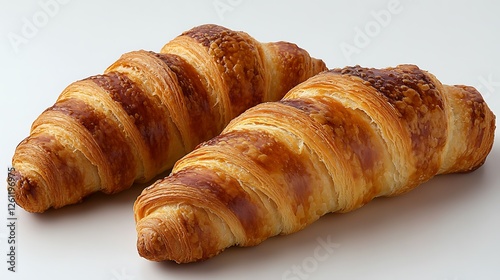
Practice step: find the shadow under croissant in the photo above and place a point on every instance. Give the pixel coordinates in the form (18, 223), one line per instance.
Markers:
(98, 201)
(379, 217)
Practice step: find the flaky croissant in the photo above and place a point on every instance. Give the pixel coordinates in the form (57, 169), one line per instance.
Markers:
(332, 144)
(147, 110)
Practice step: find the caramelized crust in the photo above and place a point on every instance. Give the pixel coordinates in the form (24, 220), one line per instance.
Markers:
(239, 63)
(417, 100)
(332, 144)
(147, 118)
(147, 110)
(194, 97)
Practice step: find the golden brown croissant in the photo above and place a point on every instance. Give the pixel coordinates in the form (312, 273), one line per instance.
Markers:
(332, 144)
(147, 110)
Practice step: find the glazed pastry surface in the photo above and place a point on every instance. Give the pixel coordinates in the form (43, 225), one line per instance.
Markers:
(332, 144)
(147, 110)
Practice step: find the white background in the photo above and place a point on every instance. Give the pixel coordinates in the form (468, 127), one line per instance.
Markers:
(446, 229)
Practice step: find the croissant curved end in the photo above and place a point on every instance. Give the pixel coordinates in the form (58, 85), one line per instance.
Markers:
(149, 244)
(183, 234)
(26, 193)
(156, 244)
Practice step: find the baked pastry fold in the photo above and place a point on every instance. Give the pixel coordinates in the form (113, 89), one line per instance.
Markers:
(332, 144)
(147, 110)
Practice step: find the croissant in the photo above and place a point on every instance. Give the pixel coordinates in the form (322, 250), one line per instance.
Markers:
(128, 125)
(332, 144)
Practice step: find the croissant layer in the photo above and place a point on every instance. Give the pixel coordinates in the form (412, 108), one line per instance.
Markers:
(332, 144)
(131, 123)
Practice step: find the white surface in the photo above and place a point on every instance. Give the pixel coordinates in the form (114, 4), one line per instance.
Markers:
(447, 228)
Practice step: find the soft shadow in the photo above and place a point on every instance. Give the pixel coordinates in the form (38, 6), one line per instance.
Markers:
(97, 202)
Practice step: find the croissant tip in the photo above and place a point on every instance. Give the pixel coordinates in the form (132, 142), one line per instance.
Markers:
(25, 194)
(145, 238)
(167, 240)
(149, 244)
